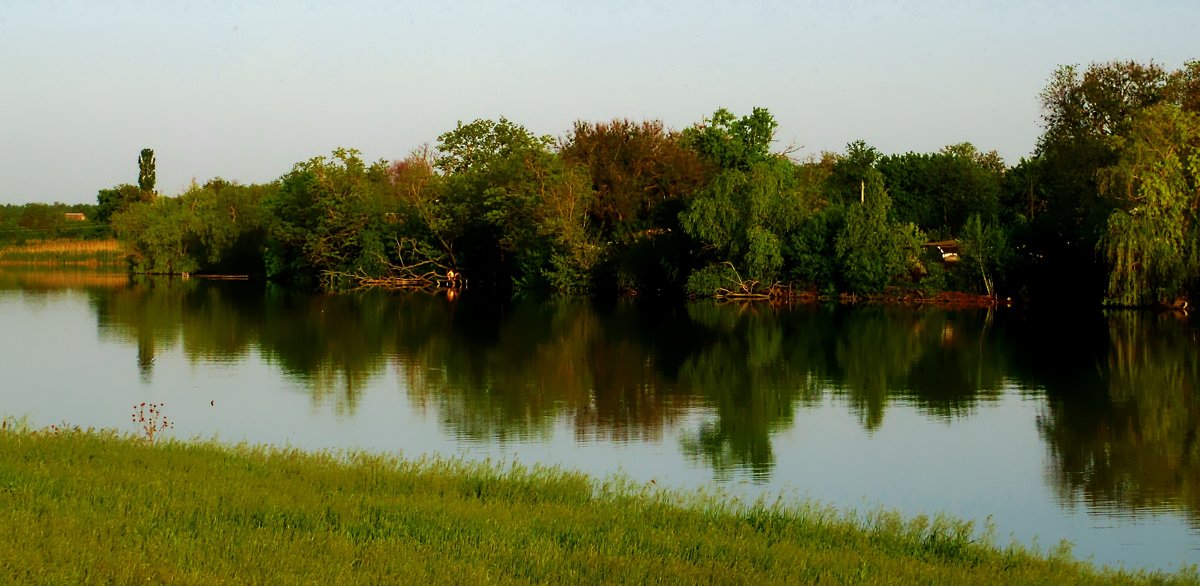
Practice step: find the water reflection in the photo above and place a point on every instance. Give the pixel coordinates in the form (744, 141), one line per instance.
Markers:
(1120, 391)
(1130, 445)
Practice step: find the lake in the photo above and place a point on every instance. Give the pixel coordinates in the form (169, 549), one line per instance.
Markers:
(1048, 426)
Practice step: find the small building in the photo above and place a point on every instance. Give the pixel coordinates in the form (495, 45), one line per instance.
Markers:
(947, 248)
(74, 217)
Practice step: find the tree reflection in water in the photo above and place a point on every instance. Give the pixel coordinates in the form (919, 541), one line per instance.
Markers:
(1129, 442)
(1119, 422)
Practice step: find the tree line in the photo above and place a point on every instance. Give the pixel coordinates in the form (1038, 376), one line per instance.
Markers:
(1105, 208)
(20, 224)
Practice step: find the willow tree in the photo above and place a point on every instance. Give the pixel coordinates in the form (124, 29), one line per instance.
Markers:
(742, 216)
(1150, 242)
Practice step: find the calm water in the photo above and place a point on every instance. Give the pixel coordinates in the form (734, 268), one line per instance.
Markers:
(1081, 429)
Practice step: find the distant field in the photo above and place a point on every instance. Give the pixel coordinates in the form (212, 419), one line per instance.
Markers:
(64, 252)
(96, 507)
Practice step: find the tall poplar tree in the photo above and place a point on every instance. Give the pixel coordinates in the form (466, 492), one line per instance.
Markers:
(146, 176)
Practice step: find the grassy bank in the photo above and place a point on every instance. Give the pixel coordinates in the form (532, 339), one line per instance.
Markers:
(80, 507)
(64, 253)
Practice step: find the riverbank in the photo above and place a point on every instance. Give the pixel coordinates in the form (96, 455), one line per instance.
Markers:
(96, 507)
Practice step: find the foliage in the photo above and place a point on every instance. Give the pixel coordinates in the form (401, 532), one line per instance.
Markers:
(217, 227)
(871, 248)
(117, 199)
(326, 223)
(635, 170)
(810, 249)
(1150, 242)
(1082, 111)
(940, 191)
(40, 221)
(415, 191)
(743, 215)
(848, 172)
(518, 212)
(731, 143)
(161, 236)
(745, 212)
(706, 281)
(636, 207)
(146, 175)
(984, 251)
(642, 176)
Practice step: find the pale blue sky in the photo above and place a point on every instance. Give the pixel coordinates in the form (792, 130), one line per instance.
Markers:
(243, 90)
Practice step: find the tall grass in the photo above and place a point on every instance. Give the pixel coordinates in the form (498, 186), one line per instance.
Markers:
(84, 506)
(64, 252)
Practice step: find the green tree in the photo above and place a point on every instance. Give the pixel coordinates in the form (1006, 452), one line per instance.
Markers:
(745, 211)
(517, 210)
(1082, 110)
(849, 171)
(217, 227)
(984, 251)
(729, 142)
(808, 249)
(1151, 239)
(327, 222)
(872, 249)
(162, 235)
(115, 199)
(231, 227)
(939, 191)
(146, 176)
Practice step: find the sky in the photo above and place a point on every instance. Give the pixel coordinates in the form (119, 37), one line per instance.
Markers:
(244, 90)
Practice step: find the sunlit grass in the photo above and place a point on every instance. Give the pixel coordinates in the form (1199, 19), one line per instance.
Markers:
(63, 252)
(83, 506)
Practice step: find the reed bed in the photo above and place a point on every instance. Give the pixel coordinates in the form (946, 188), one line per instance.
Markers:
(64, 252)
(86, 506)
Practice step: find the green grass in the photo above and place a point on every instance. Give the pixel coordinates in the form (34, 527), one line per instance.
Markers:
(83, 506)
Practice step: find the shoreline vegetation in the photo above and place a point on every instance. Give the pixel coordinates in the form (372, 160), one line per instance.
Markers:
(1103, 212)
(84, 505)
(64, 252)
